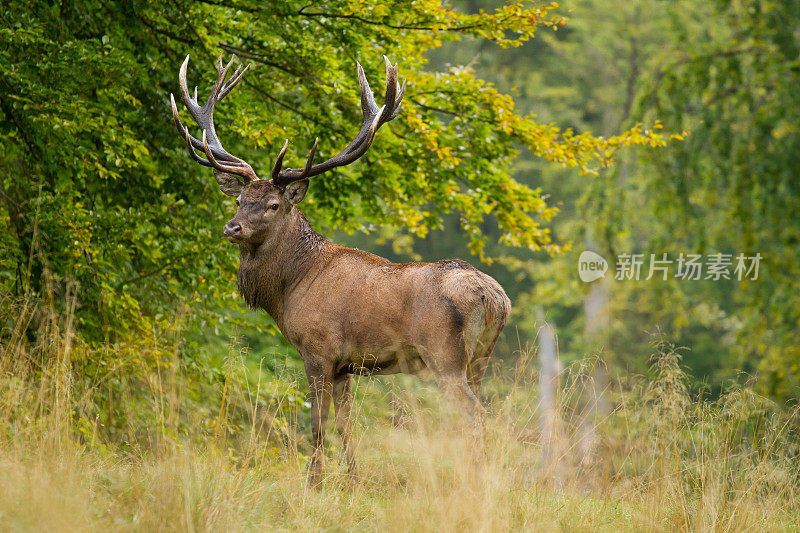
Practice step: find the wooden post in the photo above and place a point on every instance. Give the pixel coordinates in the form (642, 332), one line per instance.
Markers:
(597, 406)
(549, 371)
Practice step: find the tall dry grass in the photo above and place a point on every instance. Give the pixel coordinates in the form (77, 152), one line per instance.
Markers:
(136, 446)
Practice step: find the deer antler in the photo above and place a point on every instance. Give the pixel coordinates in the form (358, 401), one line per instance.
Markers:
(374, 118)
(218, 157)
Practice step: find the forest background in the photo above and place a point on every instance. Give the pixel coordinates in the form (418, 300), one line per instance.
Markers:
(529, 133)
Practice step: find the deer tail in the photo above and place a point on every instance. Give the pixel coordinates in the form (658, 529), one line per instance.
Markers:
(496, 305)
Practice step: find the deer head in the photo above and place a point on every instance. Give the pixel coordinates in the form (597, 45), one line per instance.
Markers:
(264, 206)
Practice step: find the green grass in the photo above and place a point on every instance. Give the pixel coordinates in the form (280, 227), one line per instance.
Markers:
(141, 445)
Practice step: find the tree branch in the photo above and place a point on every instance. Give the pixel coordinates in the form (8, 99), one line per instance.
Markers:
(229, 5)
(258, 58)
(303, 13)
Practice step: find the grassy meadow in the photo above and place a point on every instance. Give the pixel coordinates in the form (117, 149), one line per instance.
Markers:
(138, 445)
(138, 392)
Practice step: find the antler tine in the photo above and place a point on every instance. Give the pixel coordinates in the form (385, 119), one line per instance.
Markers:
(279, 161)
(193, 154)
(310, 160)
(203, 115)
(370, 108)
(176, 117)
(390, 109)
(276, 170)
(218, 157)
(391, 89)
(192, 105)
(368, 138)
(374, 117)
(398, 101)
(222, 73)
(212, 161)
(368, 105)
(231, 83)
(184, 131)
(239, 167)
(187, 99)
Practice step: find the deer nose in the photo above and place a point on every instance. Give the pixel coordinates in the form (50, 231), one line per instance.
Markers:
(232, 228)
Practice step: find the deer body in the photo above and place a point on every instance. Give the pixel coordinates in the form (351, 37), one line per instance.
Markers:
(361, 314)
(348, 311)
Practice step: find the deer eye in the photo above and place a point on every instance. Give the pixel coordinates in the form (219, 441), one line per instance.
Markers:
(237, 202)
(274, 207)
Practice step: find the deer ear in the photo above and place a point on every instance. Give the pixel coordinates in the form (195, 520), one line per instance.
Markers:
(296, 191)
(228, 183)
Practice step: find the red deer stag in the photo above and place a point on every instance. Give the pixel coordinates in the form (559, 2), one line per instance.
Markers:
(346, 311)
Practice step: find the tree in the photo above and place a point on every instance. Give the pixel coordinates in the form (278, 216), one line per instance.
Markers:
(731, 76)
(724, 71)
(97, 190)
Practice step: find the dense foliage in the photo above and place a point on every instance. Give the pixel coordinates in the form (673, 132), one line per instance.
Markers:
(733, 186)
(97, 188)
(103, 210)
(726, 72)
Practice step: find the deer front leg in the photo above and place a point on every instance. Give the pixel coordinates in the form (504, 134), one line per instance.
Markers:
(320, 384)
(342, 403)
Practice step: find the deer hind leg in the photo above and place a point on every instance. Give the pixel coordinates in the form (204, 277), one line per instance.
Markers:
(342, 403)
(449, 366)
(475, 371)
(457, 389)
(320, 384)
(480, 362)
(450, 371)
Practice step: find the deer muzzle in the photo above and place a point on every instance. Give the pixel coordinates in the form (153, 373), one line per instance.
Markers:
(233, 231)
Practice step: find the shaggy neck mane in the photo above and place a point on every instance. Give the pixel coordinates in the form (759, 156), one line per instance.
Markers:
(268, 272)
